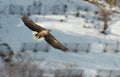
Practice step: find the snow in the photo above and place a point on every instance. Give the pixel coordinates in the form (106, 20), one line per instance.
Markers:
(70, 30)
(115, 30)
(82, 60)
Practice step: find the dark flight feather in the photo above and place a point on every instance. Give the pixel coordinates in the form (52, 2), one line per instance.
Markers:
(31, 25)
(54, 42)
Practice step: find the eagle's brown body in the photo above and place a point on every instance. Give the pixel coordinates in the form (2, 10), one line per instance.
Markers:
(42, 32)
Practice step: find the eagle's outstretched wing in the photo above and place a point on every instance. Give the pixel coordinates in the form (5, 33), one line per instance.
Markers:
(54, 42)
(50, 39)
(31, 25)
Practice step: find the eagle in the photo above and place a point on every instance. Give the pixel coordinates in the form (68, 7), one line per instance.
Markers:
(42, 32)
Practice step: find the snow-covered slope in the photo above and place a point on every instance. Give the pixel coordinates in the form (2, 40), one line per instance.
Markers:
(67, 29)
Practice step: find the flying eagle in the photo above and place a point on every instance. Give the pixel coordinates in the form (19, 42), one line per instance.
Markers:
(42, 32)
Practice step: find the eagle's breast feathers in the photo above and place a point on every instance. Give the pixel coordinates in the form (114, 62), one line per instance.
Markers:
(42, 33)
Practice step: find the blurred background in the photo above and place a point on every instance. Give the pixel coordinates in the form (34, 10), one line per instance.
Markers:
(88, 28)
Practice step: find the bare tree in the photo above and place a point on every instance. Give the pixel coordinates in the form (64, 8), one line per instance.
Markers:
(105, 18)
(105, 14)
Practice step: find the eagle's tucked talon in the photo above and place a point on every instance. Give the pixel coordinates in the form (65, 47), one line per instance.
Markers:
(37, 36)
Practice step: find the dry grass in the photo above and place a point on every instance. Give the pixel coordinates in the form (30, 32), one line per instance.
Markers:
(20, 68)
(69, 71)
(25, 68)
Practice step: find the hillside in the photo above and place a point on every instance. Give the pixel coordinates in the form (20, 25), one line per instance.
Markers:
(69, 27)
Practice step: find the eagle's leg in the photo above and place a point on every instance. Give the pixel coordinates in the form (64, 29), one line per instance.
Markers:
(42, 33)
